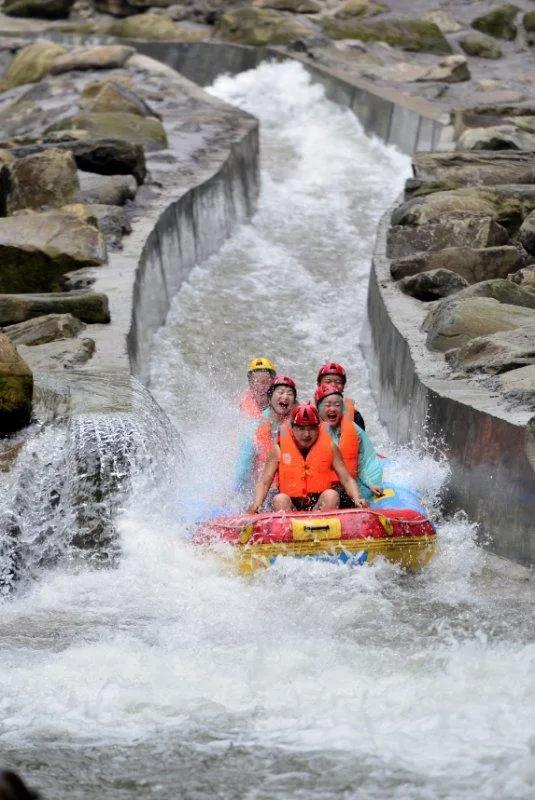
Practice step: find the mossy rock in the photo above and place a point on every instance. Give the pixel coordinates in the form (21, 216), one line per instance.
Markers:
(499, 22)
(259, 27)
(359, 8)
(409, 34)
(296, 6)
(16, 388)
(146, 131)
(48, 179)
(30, 64)
(154, 27)
(477, 44)
(529, 21)
(43, 9)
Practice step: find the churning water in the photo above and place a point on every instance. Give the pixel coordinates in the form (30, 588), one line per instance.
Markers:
(167, 677)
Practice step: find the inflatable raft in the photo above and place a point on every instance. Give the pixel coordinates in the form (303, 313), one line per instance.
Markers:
(396, 527)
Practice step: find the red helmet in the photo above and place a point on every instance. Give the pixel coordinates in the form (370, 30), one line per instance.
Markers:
(281, 380)
(304, 414)
(331, 368)
(325, 390)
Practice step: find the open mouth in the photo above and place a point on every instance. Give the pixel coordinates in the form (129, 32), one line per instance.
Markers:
(332, 416)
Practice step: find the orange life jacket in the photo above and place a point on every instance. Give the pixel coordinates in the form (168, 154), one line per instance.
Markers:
(349, 445)
(350, 407)
(300, 476)
(249, 406)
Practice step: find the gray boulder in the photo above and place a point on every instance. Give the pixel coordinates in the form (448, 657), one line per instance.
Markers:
(520, 383)
(498, 137)
(48, 178)
(16, 388)
(472, 264)
(525, 278)
(498, 352)
(59, 355)
(404, 240)
(477, 44)
(475, 168)
(527, 234)
(108, 96)
(504, 291)
(44, 9)
(455, 321)
(36, 248)
(112, 222)
(89, 307)
(41, 330)
(146, 131)
(433, 285)
(110, 56)
(450, 69)
(111, 190)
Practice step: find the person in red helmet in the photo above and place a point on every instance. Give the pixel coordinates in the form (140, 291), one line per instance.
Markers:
(282, 396)
(307, 462)
(355, 445)
(335, 374)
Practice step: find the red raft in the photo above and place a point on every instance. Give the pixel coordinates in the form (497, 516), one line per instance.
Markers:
(356, 536)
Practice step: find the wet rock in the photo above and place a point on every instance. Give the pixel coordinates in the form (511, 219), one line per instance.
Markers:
(525, 278)
(455, 321)
(41, 330)
(36, 248)
(16, 388)
(526, 234)
(146, 131)
(359, 8)
(89, 307)
(112, 96)
(110, 190)
(297, 6)
(504, 291)
(472, 264)
(78, 279)
(445, 21)
(112, 222)
(432, 285)
(477, 44)
(499, 352)
(499, 22)
(409, 34)
(475, 168)
(43, 9)
(489, 115)
(451, 69)
(44, 179)
(499, 137)
(260, 26)
(59, 355)
(404, 240)
(519, 380)
(30, 64)
(154, 27)
(507, 205)
(96, 57)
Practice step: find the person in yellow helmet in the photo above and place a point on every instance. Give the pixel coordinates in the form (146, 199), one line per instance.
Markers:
(260, 373)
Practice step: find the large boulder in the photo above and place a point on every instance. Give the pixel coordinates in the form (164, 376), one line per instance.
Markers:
(499, 22)
(527, 234)
(41, 330)
(489, 115)
(111, 56)
(405, 240)
(30, 64)
(36, 248)
(409, 34)
(109, 190)
(477, 44)
(498, 352)
(297, 6)
(359, 8)
(519, 380)
(112, 96)
(498, 137)
(16, 388)
(89, 307)
(504, 291)
(476, 168)
(48, 178)
(432, 285)
(455, 321)
(451, 69)
(146, 131)
(59, 355)
(260, 26)
(154, 27)
(525, 278)
(44, 9)
(472, 264)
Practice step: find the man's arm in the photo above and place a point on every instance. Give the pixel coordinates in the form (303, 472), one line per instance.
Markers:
(346, 480)
(265, 480)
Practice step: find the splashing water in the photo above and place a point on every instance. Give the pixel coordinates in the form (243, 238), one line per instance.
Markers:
(168, 677)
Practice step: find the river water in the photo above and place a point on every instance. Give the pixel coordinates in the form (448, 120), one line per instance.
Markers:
(167, 677)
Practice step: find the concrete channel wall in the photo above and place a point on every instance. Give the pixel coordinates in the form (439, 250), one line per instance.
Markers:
(491, 451)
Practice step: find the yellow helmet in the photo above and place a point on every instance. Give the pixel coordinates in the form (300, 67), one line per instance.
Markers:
(261, 363)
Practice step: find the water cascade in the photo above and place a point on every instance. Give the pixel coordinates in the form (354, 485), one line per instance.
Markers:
(165, 676)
